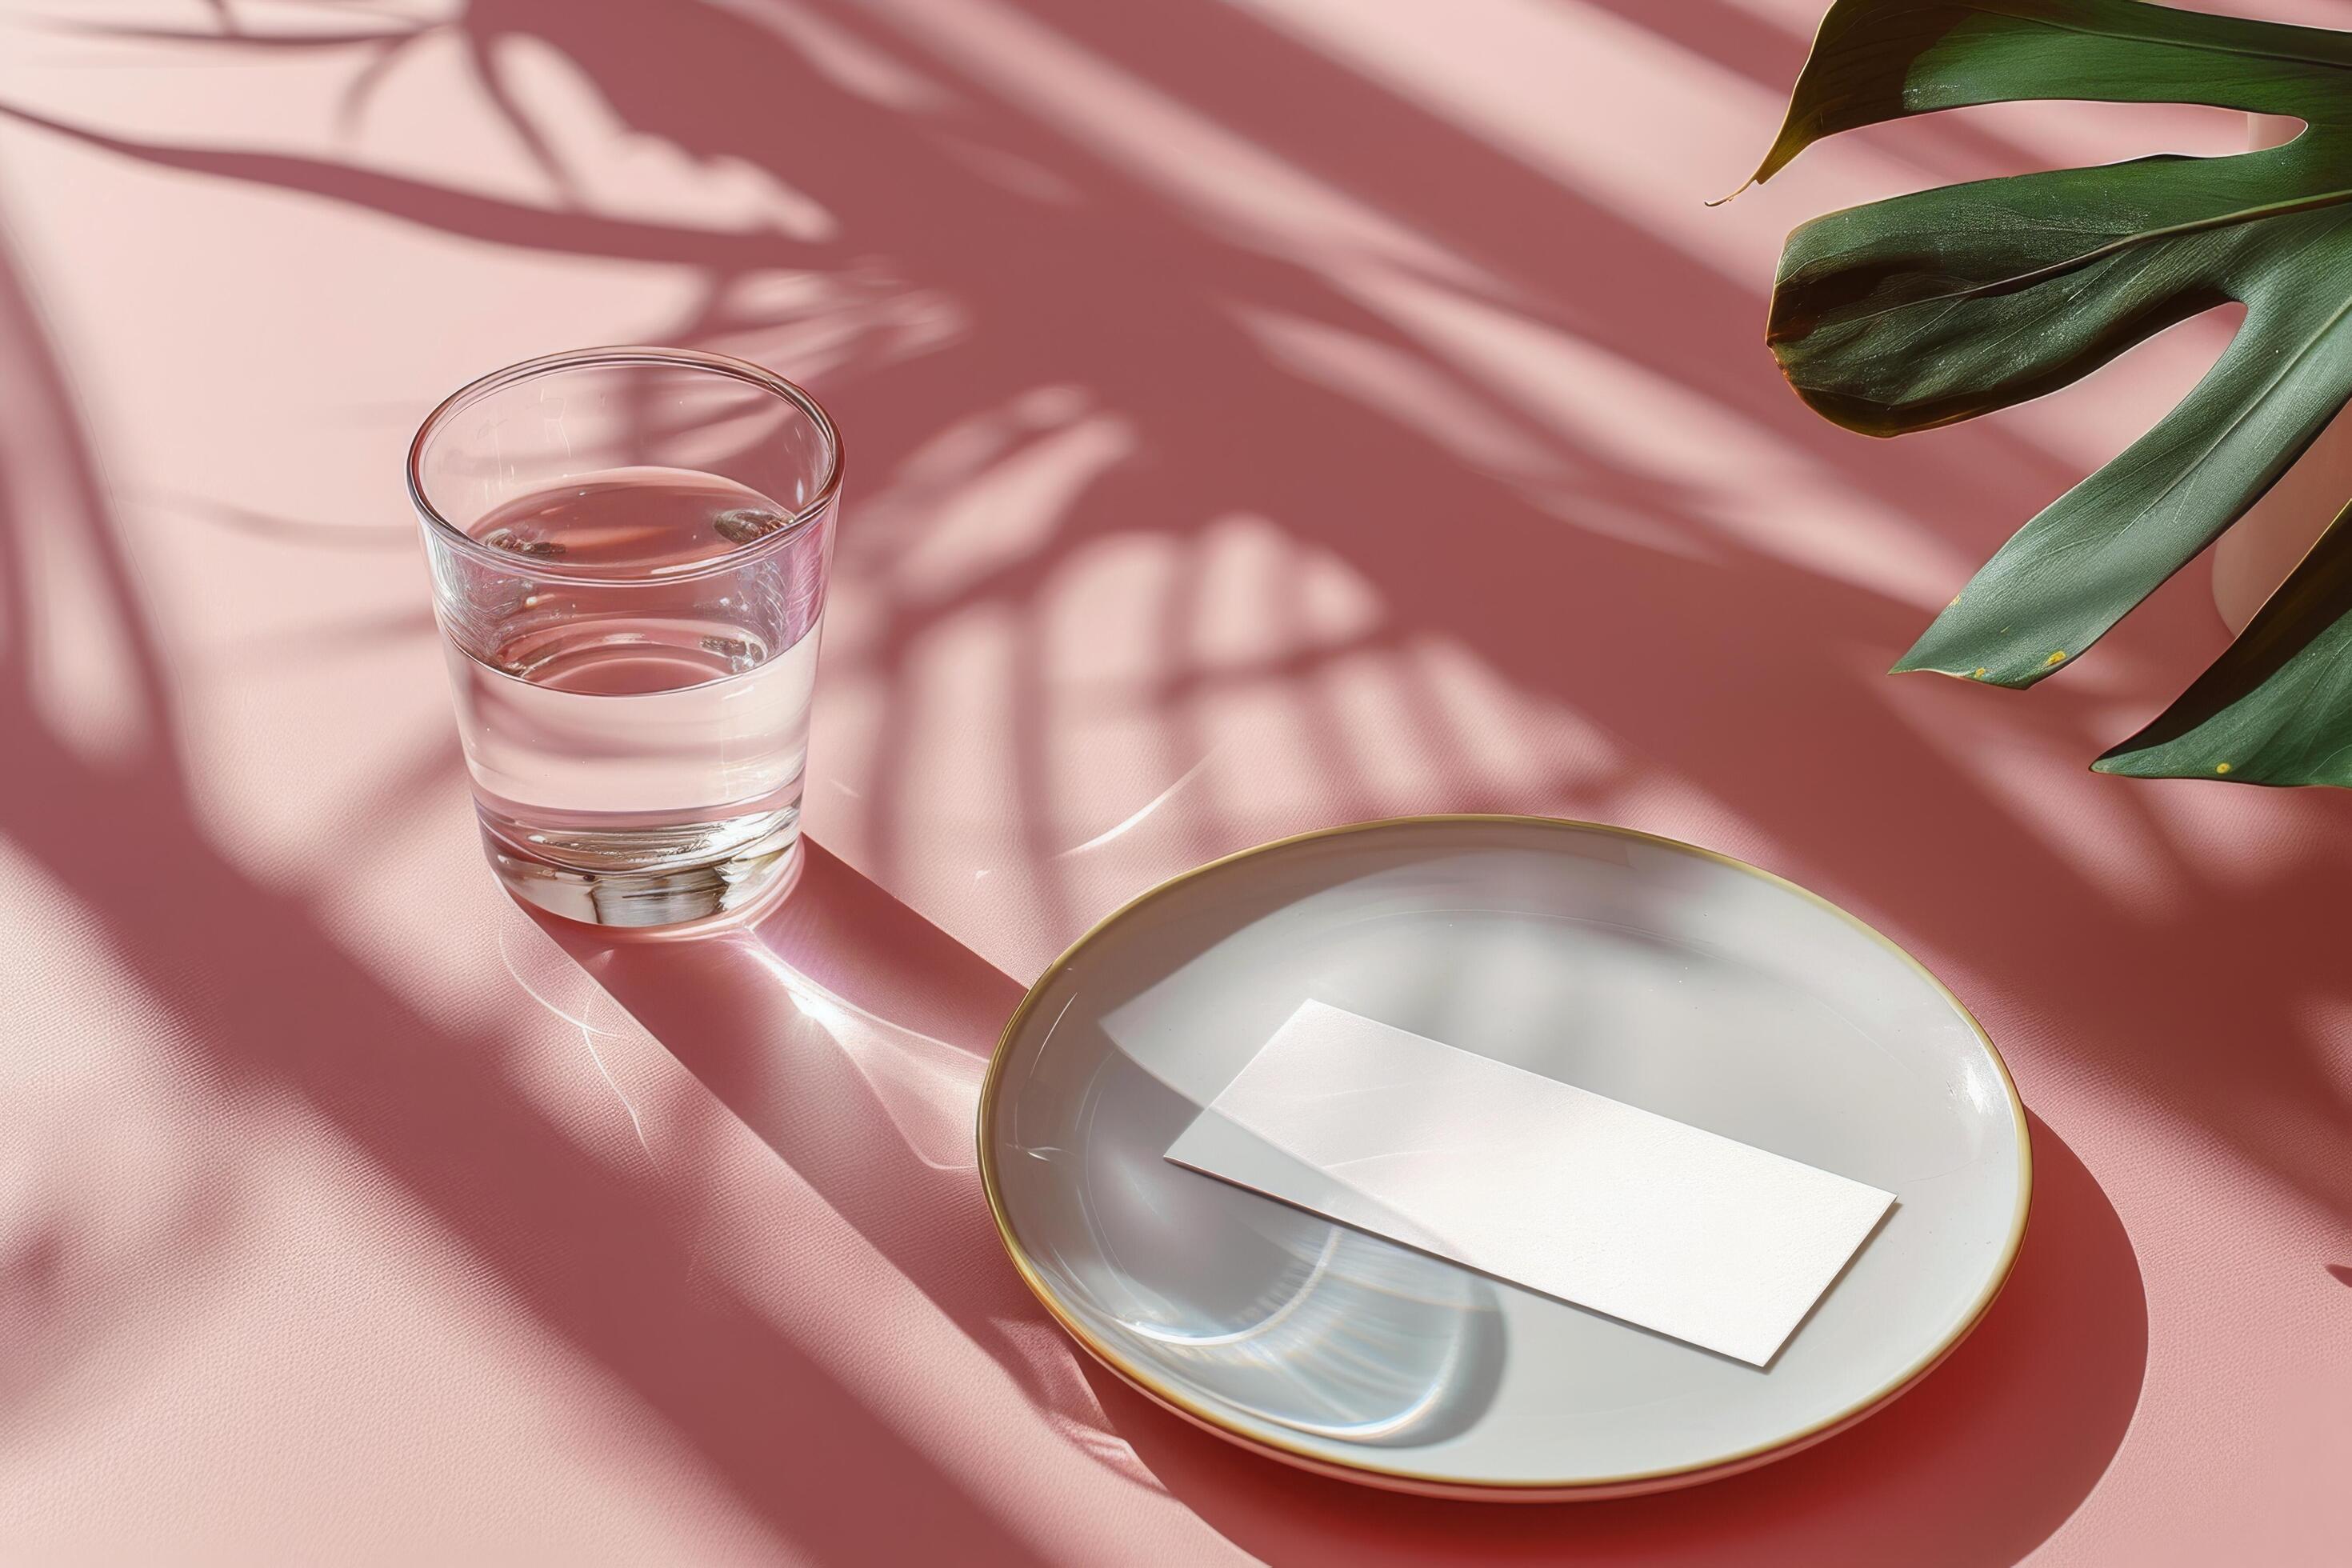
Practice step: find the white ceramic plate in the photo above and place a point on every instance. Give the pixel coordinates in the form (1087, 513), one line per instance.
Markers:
(1657, 973)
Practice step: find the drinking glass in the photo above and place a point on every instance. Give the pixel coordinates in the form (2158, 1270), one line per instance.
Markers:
(629, 548)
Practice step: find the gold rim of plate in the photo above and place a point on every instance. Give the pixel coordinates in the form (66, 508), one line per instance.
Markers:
(1206, 1416)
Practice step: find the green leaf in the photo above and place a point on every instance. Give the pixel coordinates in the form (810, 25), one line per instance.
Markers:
(1914, 312)
(1876, 60)
(2276, 708)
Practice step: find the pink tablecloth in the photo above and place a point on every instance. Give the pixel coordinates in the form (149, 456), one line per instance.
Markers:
(1260, 415)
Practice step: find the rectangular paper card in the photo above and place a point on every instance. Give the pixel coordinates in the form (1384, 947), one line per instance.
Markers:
(1534, 1180)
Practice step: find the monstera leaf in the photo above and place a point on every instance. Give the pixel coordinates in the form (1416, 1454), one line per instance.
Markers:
(1928, 308)
(2271, 708)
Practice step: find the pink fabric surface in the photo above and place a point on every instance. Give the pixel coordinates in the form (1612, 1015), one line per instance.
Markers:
(1260, 415)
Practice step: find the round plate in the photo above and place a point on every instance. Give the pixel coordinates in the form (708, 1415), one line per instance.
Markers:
(1654, 973)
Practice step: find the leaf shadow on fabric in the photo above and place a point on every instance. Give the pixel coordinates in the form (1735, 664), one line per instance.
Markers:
(1607, 587)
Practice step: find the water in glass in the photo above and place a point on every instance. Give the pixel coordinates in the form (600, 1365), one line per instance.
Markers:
(663, 726)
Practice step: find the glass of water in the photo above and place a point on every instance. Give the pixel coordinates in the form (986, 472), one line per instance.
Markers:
(629, 550)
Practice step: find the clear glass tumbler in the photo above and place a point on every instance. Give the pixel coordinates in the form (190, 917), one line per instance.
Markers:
(629, 550)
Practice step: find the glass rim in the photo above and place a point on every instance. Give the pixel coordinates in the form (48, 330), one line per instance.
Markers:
(827, 490)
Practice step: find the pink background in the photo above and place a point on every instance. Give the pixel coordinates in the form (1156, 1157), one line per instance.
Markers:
(1260, 415)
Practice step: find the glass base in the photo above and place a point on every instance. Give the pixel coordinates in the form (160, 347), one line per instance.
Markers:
(650, 876)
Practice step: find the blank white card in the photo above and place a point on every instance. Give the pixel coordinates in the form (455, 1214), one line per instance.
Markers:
(1534, 1180)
